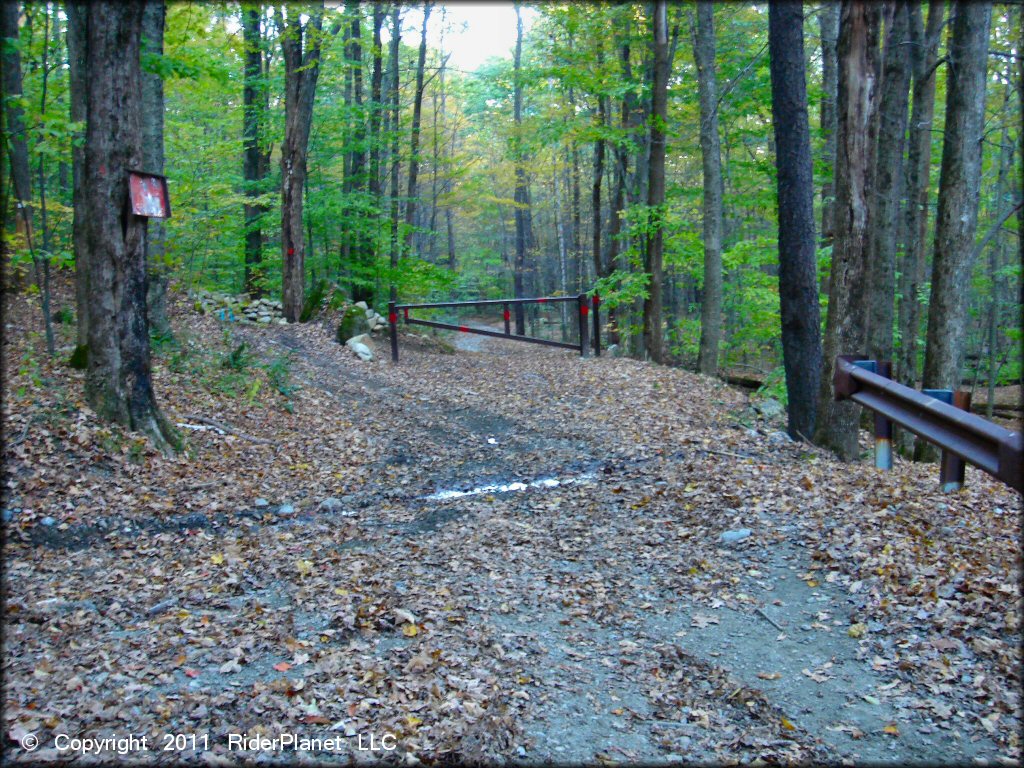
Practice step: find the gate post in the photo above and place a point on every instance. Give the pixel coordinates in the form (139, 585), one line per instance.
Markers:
(596, 301)
(951, 473)
(508, 330)
(582, 303)
(393, 327)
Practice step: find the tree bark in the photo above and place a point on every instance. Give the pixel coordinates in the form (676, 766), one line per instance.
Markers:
(652, 333)
(300, 46)
(798, 284)
(253, 168)
(118, 382)
(828, 19)
(521, 194)
(892, 127)
(153, 17)
(923, 57)
(707, 86)
(17, 153)
(77, 45)
(845, 331)
(396, 37)
(414, 139)
(959, 189)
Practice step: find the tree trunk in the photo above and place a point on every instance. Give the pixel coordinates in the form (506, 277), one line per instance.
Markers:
(77, 45)
(923, 57)
(153, 162)
(595, 188)
(707, 86)
(656, 186)
(42, 260)
(521, 194)
(414, 139)
(376, 78)
(253, 118)
(828, 19)
(118, 382)
(837, 422)
(300, 46)
(396, 37)
(798, 284)
(892, 127)
(959, 190)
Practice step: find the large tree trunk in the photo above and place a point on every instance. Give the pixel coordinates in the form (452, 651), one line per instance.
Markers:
(960, 179)
(596, 217)
(923, 58)
(254, 94)
(653, 342)
(828, 20)
(798, 285)
(300, 46)
(153, 162)
(521, 194)
(845, 331)
(707, 86)
(17, 150)
(414, 139)
(892, 127)
(118, 383)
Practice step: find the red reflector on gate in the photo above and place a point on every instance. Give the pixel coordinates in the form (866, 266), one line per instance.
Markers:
(542, 301)
(392, 318)
(507, 315)
(584, 310)
(597, 300)
(464, 329)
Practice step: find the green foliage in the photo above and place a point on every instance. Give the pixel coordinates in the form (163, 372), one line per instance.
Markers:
(775, 386)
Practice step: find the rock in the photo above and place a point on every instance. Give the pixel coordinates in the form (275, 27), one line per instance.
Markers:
(362, 305)
(360, 339)
(286, 509)
(262, 503)
(47, 521)
(265, 319)
(330, 504)
(353, 323)
(771, 408)
(364, 352)
(8, 515)
(736, 535)
(780, 437)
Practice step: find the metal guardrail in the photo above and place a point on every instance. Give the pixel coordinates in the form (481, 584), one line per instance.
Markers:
(938, 416)
(581, 301)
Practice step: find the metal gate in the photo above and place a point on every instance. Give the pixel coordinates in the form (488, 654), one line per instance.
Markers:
(584, 307)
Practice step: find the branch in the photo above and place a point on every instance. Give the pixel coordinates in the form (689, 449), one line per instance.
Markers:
(225, 428)
(995, 229)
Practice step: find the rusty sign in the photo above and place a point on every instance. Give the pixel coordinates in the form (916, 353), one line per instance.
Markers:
(149, 196)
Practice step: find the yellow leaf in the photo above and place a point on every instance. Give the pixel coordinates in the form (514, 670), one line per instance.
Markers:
(410, 630)
(412, 720)
(618, 711)
(857, 630)
(788, 725)
(217, 558)
(892, 729)
(812, 583)
(305, 567)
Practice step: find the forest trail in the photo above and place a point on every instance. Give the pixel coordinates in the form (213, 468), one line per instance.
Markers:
(600, 618)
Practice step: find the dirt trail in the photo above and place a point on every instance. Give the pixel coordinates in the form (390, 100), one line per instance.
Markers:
(597, 617)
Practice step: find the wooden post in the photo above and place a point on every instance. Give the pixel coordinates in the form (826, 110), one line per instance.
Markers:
(596, 302)
(583, 306)
(393, 326)
(952, 470)
(883, 427)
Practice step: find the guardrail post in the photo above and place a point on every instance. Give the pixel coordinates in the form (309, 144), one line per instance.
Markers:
(582, 303)
(393, 327)
(952, 470)
(883, 427)
(508, 318)
(951, 466)
(596, 303)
